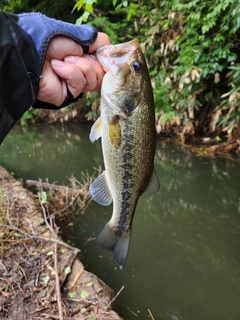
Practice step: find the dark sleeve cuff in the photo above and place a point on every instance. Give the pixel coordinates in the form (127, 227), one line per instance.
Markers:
(69, 99)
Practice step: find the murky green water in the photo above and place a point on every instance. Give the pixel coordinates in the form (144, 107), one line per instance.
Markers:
(184, 258)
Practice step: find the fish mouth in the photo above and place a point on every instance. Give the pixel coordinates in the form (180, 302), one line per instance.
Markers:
(116, 54)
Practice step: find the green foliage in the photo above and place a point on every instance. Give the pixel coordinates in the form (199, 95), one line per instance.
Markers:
(229, 110)
(60, 9)
(28, 116)
(84, 294)
(11, 5)
(72, 294)
(87, 8)
(190, 48)
(218, 139)
(196, 48)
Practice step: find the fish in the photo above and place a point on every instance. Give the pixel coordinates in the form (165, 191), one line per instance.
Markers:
(126, 127)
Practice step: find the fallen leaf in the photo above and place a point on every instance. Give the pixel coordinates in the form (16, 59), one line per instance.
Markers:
(84, 294)
(68, 270)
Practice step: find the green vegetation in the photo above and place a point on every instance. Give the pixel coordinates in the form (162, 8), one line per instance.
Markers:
(192, 48)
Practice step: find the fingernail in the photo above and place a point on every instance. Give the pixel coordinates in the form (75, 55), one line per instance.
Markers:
(57, 63)
(71, 59)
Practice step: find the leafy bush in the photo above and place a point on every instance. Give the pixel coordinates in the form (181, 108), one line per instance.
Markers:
(193, 53)
(199, 48)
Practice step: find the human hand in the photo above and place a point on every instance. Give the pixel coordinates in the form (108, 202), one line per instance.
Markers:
(63, 49)
(67, 66)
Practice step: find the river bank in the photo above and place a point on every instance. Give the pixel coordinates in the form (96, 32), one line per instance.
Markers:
(41, 277)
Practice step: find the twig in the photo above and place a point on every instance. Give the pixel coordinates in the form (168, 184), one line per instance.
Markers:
(3, 279)
(150, 313)
(77, 276)
(29, 236)
(88, 303)
(21, 269)
(58, 292)
(3, 264)
(65, 208)
(15, 240)
(30, 224)
(8, 212)
(53, 186)
(57, 317)
(90, 239)
(45, 219)
(116, 296)
(133, 313)
(38, 310)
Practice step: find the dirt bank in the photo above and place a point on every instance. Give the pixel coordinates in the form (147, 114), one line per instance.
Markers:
(40, 276)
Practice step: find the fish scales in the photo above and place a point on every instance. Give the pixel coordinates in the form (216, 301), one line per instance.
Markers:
(129, 167)
(128, 145)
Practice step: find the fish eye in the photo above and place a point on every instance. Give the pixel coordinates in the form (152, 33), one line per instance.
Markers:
(137, 65)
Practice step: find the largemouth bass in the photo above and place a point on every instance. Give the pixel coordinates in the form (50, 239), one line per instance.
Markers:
(127, 129)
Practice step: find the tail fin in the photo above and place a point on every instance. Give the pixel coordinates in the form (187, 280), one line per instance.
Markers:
(119, 245)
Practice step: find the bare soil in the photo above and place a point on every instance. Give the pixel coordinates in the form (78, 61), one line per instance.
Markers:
(41, 277)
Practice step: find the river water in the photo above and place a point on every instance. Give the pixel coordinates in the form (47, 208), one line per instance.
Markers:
(184, 261)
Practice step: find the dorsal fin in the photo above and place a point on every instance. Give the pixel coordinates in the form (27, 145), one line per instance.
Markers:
(153, 185)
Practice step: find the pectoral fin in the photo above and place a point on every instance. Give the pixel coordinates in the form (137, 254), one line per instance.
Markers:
(153, 185)
(99, 190)
(96, 130)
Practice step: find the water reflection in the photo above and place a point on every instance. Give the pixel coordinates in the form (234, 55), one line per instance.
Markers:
(184, 261)
(47, 151)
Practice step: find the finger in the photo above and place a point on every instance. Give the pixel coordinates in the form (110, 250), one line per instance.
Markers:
(60, 47)
(73, 76)
(98, 69)
(90, 68)
(102, 40)
(51, 89)
(87, 70)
